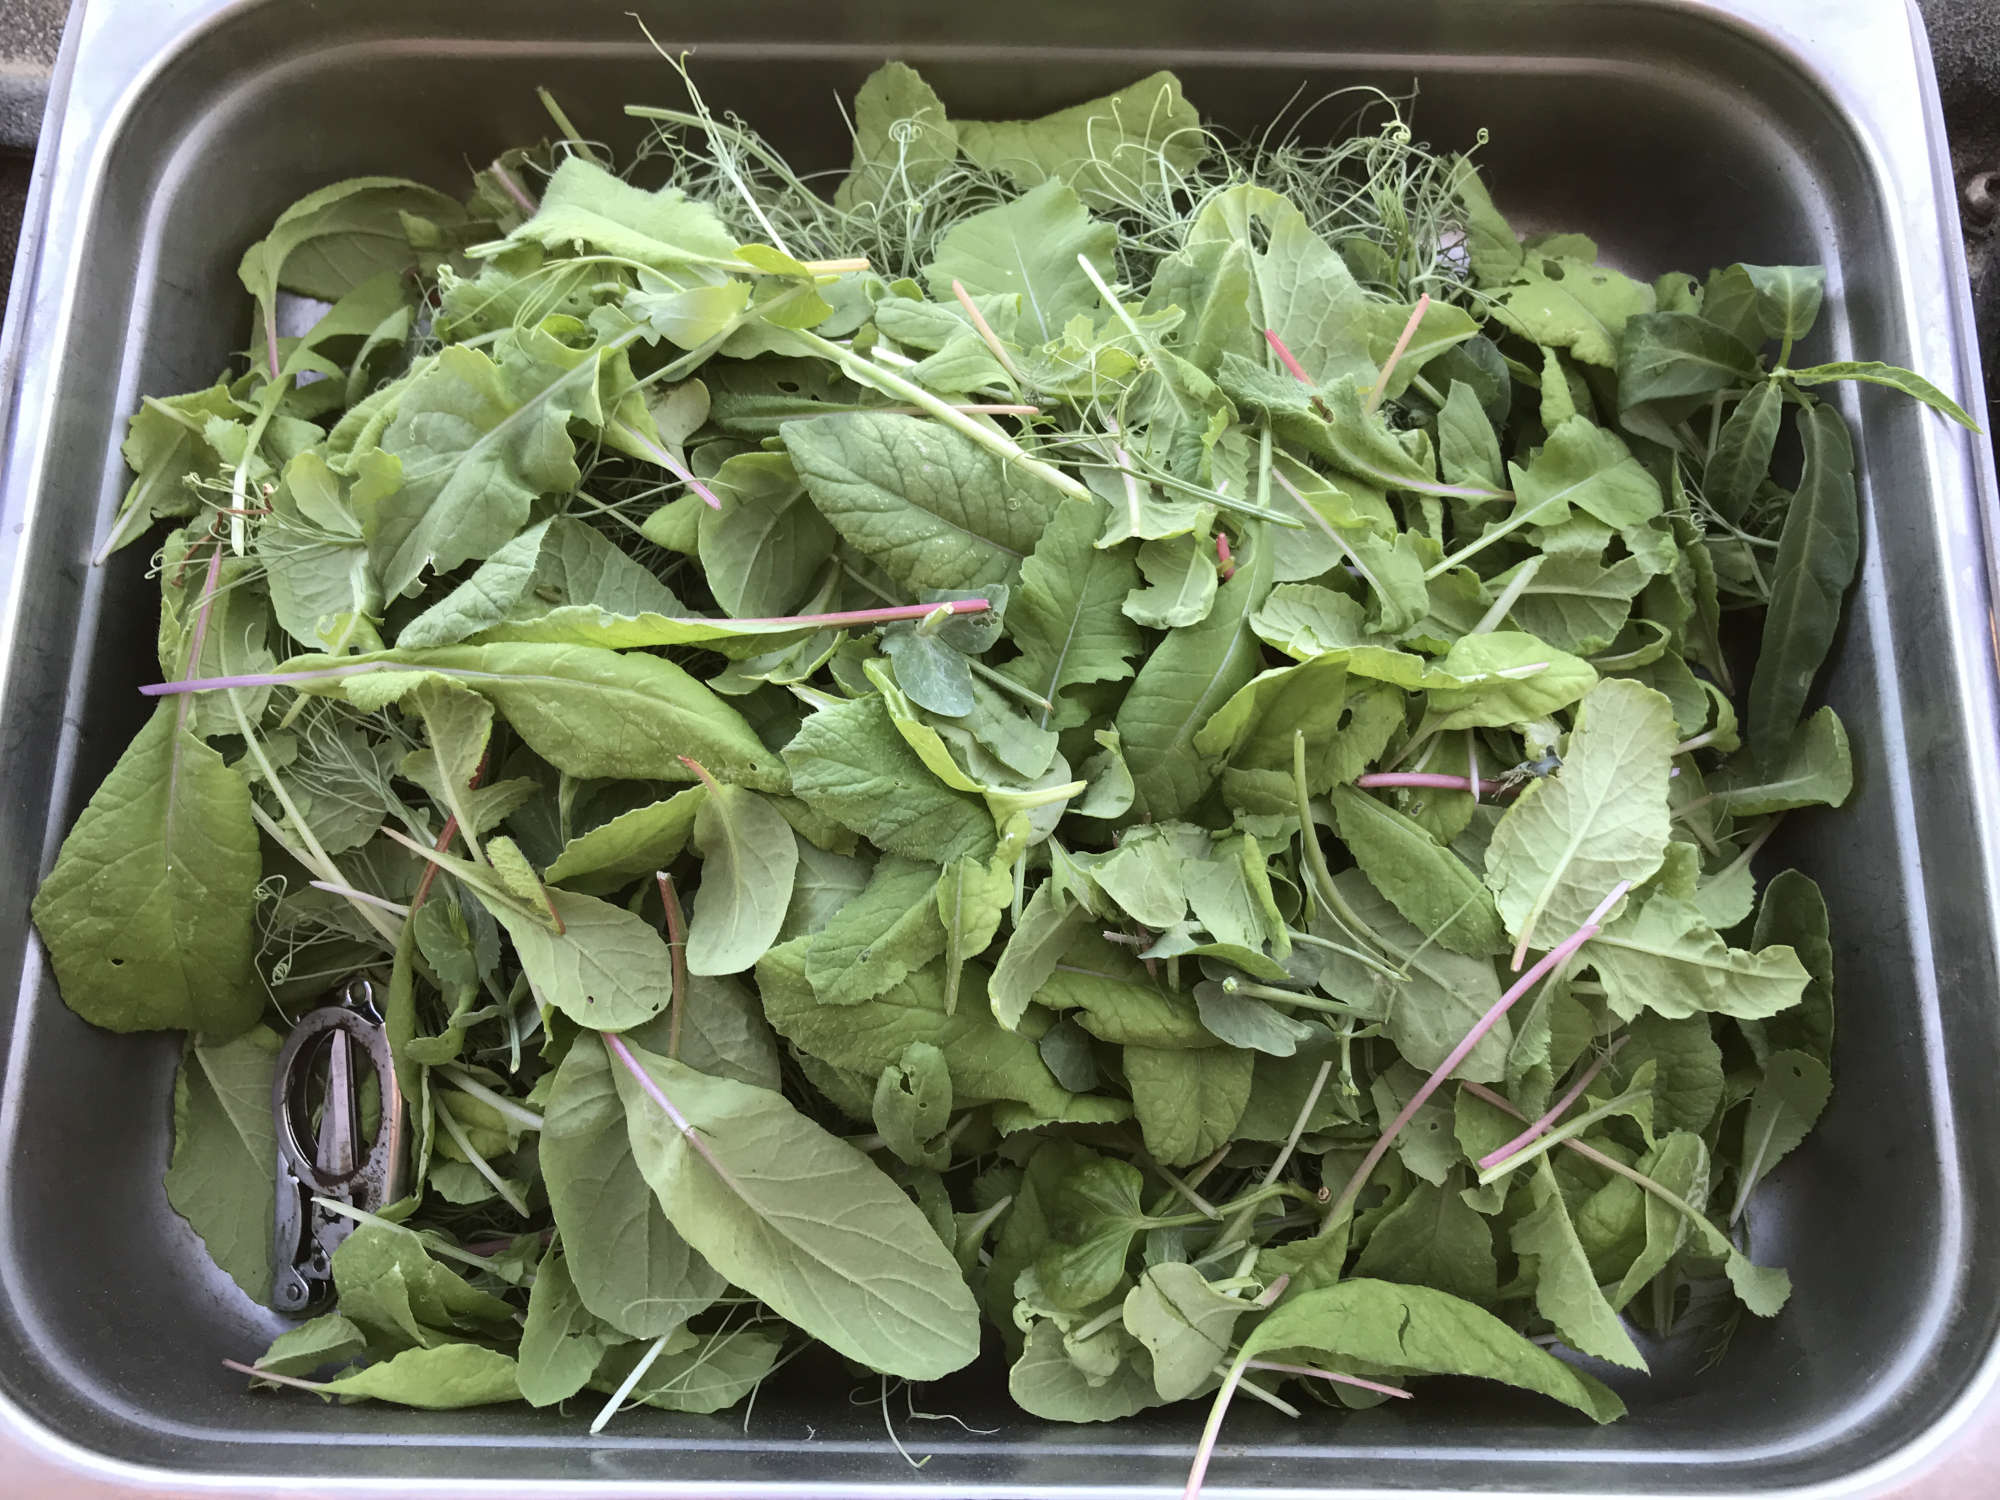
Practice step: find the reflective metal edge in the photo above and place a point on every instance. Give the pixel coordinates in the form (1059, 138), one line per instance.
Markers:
(1870, 57)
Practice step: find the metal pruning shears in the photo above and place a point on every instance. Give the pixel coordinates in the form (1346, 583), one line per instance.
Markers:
(324, 1148)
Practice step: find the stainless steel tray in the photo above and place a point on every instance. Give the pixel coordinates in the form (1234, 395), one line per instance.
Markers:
(1682, 133)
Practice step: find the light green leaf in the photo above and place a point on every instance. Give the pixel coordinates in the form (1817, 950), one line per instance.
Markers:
(749, 856)
(1818, 771)
(1661, 956)
(1782, 1112)
(1587, 467)
(1181, 579)
(552, 565)
(587, 711)
(705, 1374)
(478, 442)
(1187, 678)
(582, 203)
(929, 506)
(1047, 926)
(903, 141)
(1874, 372)
(1570, 304)
(325, 1340)
(850, 762)
(1432, 887)
(1419, 1331)
(1793, 912)
(605, 968)
(1120, 149)
(1433, 1239)
(762, 550)
(629, 1266)
(1046, 1383)
(913, 1106)
(1252, 1024)
(629, 846)
(888, 931)
(971, 899)
(1188, 1099)
(1028, 248)
(1066, 616)
(1186, 1325)
(148, 915)
(1566, 1290)
(1742, 457)
(1788, 298)
(561, 1342)
(1503, 677)
(1571, 837)
(448, 1377)
(225, 1151)
(1817, 554)
(801, 1220)
(1468, 451)
(1674, 354)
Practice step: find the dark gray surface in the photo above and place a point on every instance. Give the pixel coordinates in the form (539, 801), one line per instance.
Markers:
(1612, 117)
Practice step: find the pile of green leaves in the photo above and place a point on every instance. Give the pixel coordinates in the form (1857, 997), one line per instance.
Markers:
(1127, 676)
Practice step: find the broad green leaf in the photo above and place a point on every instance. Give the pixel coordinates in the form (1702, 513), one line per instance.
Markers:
(1046, 1383)
(629, 846)
(1566, 303)
(1066, 616)
(1793, 913)
(1874, 372)
(1782, 1111)
(1115, 999)
(478, 441)
(554, 564)
(1047, 926)
(1187, 678)
(1586, 467)
(849, 762)
(1431, 886)
(1566, 1290)
(1817, 554)
(800, 1220)
(762, 550)
(1817, 771)
(1570, 838)
(1675, 354)
(148, 915)
(903, 141)
(604, 968)
(325, 1340)
(1028, 248)
(1688, 1081)
(1661, 956)
(1181, 580)
(1742, 457)
(930, 673)
(587, 711)
(926, 504)
(1124, 148)
(1434, 1004)
(1188, 1100)
(913, 1106)
(1433, 1239)
(331, 241)
(225, 1151)
(1500, 678)
(1305, 620)
(971, 898)
(1493, 248)
(890, 930)
(1251, 1024)
(986, 1061)
(749, 856)
(448, 1377)
(390, 1286)
(1468, 450)
(561, 1342)
(164, 444)
(584, 204)
(1186, 1325)
(1418, 1331)
(629, 1266)
(1788, 298)
(1093, 1215)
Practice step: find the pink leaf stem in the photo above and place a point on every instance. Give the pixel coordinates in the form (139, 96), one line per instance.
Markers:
(1550, 960)
(1535, 1131)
